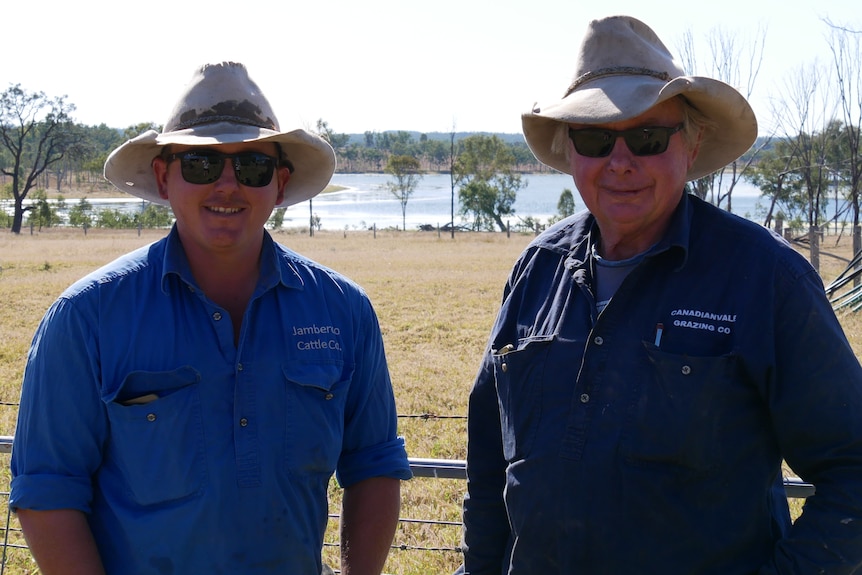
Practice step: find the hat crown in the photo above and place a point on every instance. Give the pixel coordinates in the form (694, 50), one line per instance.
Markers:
(221, 93)
(222, 105)
(623, 70)
(622, 45)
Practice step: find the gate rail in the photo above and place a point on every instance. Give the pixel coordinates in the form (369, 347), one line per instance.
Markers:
(421, 467)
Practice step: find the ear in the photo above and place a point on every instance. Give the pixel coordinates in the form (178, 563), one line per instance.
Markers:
(283, 176)
(160, 169)
(695, 149)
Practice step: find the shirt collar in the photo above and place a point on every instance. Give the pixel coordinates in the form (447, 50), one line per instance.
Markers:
(274, 266)
(678, 234)
(675, 240)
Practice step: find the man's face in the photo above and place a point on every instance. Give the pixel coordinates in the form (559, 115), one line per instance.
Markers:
(632, 197)
(225, 215)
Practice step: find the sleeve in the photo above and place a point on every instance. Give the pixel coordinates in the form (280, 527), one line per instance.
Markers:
(486, 524)
(62, 424)
(487, 535)
(372, 447)
(815, 402)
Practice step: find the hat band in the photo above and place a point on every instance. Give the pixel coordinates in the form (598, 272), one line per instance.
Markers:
(215, 119)
(616, 71)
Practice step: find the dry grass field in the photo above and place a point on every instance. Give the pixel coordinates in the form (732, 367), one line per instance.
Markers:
(436, 298)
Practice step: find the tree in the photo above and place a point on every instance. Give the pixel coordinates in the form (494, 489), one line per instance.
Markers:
(337, 141)
(276, 220)
(80, 214)
(738, 64)
(405, 169)
(846, 46)
(156, 216)
(35, 132)
(484, 170)
(803, 113)
(566, 203)
(777, 176)
(114, 219)
(43, 214)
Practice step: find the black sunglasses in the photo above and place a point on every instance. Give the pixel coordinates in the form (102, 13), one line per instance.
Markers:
(598, 142)
(252, 169)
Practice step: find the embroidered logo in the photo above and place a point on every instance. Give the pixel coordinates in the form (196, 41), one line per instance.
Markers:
(703, 320)
(317, 337)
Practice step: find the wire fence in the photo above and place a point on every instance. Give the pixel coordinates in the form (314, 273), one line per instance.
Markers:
(15, 551)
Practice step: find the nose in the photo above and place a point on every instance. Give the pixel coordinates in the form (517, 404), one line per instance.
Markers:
(621, 157)
(228, 174)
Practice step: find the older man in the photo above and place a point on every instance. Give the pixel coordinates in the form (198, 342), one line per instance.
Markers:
(655, 359)
(184, 407)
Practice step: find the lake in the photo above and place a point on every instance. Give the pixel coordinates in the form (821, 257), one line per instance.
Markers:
(365, 202)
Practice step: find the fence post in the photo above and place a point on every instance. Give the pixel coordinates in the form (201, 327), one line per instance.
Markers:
(814, 243)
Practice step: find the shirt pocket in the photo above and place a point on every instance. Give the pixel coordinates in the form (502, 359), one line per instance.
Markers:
(315, 412)
(519, 374)
(677, 415)
(157, 438)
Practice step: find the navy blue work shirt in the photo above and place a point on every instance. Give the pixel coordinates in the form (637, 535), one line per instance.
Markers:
(649, 438)
(191, 454)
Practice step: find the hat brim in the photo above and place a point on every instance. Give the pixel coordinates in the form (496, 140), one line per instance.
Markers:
(129, 167)
(732, 131)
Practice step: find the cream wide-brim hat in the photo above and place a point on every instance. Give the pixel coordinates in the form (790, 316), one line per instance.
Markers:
(222, 105)
(623, 70)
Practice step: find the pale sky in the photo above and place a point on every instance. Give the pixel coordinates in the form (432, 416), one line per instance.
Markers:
(471, 65)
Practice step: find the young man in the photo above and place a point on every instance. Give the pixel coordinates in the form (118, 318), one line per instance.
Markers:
(655, 359)
(184, 407)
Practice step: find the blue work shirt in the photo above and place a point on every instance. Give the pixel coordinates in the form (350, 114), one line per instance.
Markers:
(649, 438)
(190, 453)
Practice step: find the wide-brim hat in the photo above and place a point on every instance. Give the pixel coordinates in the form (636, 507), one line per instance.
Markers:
(222, 105)
(623, 70)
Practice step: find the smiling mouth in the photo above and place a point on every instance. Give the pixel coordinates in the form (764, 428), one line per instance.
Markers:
(220, 210)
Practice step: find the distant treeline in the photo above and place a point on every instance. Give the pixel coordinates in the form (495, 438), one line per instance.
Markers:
(370, 151)
(356, 153)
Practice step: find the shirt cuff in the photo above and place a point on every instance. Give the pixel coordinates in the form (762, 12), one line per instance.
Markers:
(382, 460)
(48, 492)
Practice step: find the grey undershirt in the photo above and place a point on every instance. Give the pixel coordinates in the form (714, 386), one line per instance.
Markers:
(610, 275)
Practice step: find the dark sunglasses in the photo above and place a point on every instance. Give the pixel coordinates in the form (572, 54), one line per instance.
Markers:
(598, 142)
(253, 169)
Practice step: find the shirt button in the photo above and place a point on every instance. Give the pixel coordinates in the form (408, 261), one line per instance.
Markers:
(686, 370)
(239, 367)
(328, 396)
(504, 367)
(243, 422)
(151, 417)
(598, 340)
(217, 316)
(585, 397)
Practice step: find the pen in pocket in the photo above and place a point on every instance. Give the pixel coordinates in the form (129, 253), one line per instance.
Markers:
(659, 328)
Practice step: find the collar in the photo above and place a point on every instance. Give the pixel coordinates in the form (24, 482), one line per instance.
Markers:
(675, 240)
(677, 237)
(275, 266)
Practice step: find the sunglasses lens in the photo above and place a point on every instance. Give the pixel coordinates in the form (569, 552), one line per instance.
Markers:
(593, 143)
(647, 141)
(254, 169)
(596, 143)
(200, 167)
